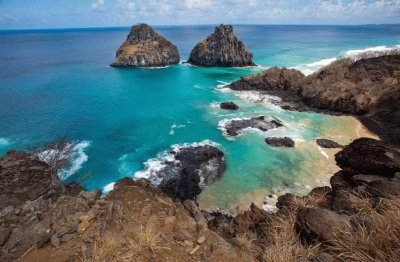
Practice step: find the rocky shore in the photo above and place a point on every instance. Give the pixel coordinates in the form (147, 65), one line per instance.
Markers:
(221, 49)
(138, 221)
(365, 87)
(144, 47)
(235, 127)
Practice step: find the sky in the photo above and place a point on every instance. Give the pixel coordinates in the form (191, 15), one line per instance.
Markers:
(35, 14)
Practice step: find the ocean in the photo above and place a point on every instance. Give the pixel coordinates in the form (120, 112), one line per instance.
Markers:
(57, 83)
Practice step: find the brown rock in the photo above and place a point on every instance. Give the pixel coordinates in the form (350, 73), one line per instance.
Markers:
(221, 49)
(321, 224)
(146, 48)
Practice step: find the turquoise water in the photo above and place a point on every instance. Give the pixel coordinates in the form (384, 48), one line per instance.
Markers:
(58, 83)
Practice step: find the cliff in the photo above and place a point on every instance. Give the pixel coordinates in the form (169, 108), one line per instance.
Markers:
(221, 49)
(146, 48)
(366, 87)
(139, 222)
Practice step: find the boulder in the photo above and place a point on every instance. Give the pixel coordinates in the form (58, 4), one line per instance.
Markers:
(326, 143)
(221, 49)
(193, 167)
(370, 157)
(144, 47)
(280, 141)
(321, 224)
(229, 106)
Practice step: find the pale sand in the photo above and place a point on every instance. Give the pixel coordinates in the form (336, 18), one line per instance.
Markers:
(316, 170)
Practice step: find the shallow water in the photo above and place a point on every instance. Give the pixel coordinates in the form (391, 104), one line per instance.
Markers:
(57, 83)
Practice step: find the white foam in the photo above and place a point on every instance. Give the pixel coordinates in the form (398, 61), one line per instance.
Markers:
(371, 51)
(310, 68)
(108, 188)
(174, 127)
(78, 158)
(153, 166)
(323, 152)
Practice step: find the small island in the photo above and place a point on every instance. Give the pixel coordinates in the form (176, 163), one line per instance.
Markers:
(221, 49)
(144, 47)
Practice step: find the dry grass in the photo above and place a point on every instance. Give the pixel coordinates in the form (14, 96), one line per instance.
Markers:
(247, 241)
(286, 245)
(377, 236)
(137, 245)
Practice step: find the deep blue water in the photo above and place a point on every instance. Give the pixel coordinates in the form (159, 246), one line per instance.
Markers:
(56, 83)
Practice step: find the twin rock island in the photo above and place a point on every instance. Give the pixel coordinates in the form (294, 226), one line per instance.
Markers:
(144, 47)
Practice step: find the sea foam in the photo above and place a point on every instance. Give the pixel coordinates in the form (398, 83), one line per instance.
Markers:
(153, 166)
(77, 158)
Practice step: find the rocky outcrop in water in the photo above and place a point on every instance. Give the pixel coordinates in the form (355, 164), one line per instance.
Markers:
(326, 143)
(280, 141)
(221, 49)
(235, 127)
(364, 87)
(229, 106)
(192, 169)
(146, 48)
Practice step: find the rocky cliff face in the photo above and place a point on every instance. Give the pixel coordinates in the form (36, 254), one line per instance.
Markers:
(221, 49)
(366, 86)
(138, 221)
(146, 48)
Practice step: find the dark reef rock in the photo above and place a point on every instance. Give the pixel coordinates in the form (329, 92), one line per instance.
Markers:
(193, 168)
(370, 157)
(229, 106)
(24, 177)
(236, 126)
(280, 141)
(146, 48)
(221, 49)
(326, 143)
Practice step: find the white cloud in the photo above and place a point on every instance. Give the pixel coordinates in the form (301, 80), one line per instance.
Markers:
(251, 11)
(98, 5)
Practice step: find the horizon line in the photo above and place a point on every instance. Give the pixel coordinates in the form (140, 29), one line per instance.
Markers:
(183, 25)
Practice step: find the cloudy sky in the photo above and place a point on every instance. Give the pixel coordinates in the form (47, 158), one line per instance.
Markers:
(17, 14)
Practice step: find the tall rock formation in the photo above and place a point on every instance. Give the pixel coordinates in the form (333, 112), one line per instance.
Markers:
(221, 49)
(144, 47)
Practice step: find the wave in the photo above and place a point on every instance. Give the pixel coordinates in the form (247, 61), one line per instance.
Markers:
(370, 51)
(310, 68)
(76, 159)
(355, 54)
(153, 166)
(108, 188)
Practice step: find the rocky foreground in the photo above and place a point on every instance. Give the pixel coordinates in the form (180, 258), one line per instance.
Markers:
(353, 220)
(144, 47)
(221, 49)
(367, 87)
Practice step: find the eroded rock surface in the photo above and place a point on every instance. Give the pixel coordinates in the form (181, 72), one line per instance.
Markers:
(192, 168)
(280, 141)
(229, 106)
(221, 49)
(144, 47)
(326, 143)
(235, 127)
